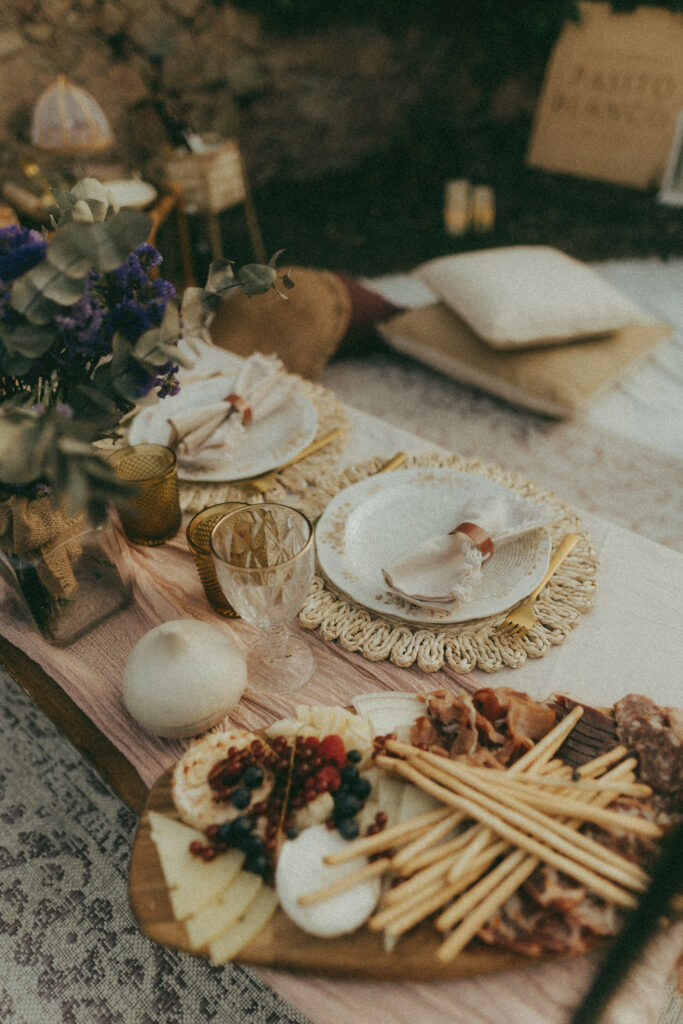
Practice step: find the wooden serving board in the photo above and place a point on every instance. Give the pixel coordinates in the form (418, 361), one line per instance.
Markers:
(282, 944)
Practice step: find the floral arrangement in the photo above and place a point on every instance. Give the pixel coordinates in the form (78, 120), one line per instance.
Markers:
(86, 331)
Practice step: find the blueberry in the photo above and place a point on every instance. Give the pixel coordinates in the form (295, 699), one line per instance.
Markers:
(292, 832)
(349, 773)
(241, 797)
(257, 863)
(361, 788)
(241, 827)
(253, 776)
(346, 807)
(224, 834)
(354, 756)
(348, 828)
(253, 845)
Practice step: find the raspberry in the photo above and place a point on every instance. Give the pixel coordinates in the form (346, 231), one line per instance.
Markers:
(327, 778)
(332, 749)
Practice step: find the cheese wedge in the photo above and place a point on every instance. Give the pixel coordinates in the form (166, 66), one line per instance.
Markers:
(224, 910)
(191, 882)
(228, 945)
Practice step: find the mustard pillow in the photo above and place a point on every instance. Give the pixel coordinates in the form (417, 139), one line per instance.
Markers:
(555, 381)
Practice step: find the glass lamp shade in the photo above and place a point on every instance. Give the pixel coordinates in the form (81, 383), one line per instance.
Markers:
(67, 119)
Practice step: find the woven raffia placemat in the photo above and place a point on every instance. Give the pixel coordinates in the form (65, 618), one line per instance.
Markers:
(293, 481)
(466, 646)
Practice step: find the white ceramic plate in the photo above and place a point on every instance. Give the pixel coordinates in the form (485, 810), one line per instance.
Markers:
(268, 443)
(368, 525)
(131, 194)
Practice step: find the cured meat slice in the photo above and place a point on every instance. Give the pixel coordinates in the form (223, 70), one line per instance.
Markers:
(655, 734)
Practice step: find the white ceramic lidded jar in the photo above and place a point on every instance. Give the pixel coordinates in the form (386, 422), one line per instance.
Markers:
(183, 677)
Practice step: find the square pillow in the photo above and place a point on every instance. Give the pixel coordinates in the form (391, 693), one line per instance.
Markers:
(523, 296)
(553, 381)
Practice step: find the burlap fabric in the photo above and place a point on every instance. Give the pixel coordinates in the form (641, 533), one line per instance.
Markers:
(45, 536)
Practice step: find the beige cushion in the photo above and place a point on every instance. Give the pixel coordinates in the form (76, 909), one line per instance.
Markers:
(554, 381)
(528, 295)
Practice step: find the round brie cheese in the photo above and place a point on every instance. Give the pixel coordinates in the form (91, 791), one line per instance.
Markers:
(301, 869)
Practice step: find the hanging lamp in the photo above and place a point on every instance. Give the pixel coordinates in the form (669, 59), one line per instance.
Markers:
(67, 119)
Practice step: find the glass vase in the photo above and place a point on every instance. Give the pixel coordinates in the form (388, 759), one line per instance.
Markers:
(72, 585)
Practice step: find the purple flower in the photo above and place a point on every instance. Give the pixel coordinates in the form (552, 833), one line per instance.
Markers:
(20, 250)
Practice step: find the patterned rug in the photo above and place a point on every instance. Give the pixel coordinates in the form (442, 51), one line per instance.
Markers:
(70, 950)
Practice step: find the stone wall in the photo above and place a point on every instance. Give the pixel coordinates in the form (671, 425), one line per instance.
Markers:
(299, 105)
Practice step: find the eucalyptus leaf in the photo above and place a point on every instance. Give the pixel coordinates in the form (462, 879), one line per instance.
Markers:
(54, 284)
(159, 345)
(13, 364)
(221, 276)
(275, 257)
(78, 249)
(121, 378)
(256, 278)
(93, 403)
(27, 298)
(65, 200)
(27, 340)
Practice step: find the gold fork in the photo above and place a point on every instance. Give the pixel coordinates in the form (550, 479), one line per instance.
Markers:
(522, 618)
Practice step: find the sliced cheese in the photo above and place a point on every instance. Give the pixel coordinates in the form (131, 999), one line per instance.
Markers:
(388, 711)
(389, 795)
(228, 945)
(221, 912)
(191, 882)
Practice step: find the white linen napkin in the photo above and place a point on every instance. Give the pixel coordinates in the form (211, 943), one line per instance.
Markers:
(204, 436)
(443, 570)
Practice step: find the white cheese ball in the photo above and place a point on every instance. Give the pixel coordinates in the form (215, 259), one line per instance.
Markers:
(301, 869)
(183, 677)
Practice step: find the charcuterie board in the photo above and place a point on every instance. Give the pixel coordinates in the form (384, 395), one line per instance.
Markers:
(443, 834)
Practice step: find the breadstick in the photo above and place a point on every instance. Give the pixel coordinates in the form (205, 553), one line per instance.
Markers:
(367, 871)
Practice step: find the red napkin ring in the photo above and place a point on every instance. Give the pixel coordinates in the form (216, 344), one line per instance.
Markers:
(478, 536)
(242, 407)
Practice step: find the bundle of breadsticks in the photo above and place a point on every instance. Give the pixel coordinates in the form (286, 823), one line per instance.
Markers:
(491, 829)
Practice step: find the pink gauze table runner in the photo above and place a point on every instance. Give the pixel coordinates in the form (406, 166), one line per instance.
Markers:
(167, 587)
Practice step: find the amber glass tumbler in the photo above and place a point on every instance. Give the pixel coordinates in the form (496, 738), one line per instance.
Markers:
(198, 533)
(152, 515)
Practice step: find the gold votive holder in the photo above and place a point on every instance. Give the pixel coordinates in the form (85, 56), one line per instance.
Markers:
(152, 515)
(198, 534)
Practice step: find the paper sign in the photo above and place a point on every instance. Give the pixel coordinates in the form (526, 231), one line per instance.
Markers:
(611, 96)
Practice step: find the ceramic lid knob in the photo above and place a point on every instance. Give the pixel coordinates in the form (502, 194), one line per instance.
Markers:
(183, 677)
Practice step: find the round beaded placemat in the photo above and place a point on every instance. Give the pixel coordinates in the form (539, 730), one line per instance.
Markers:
(469, 645)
